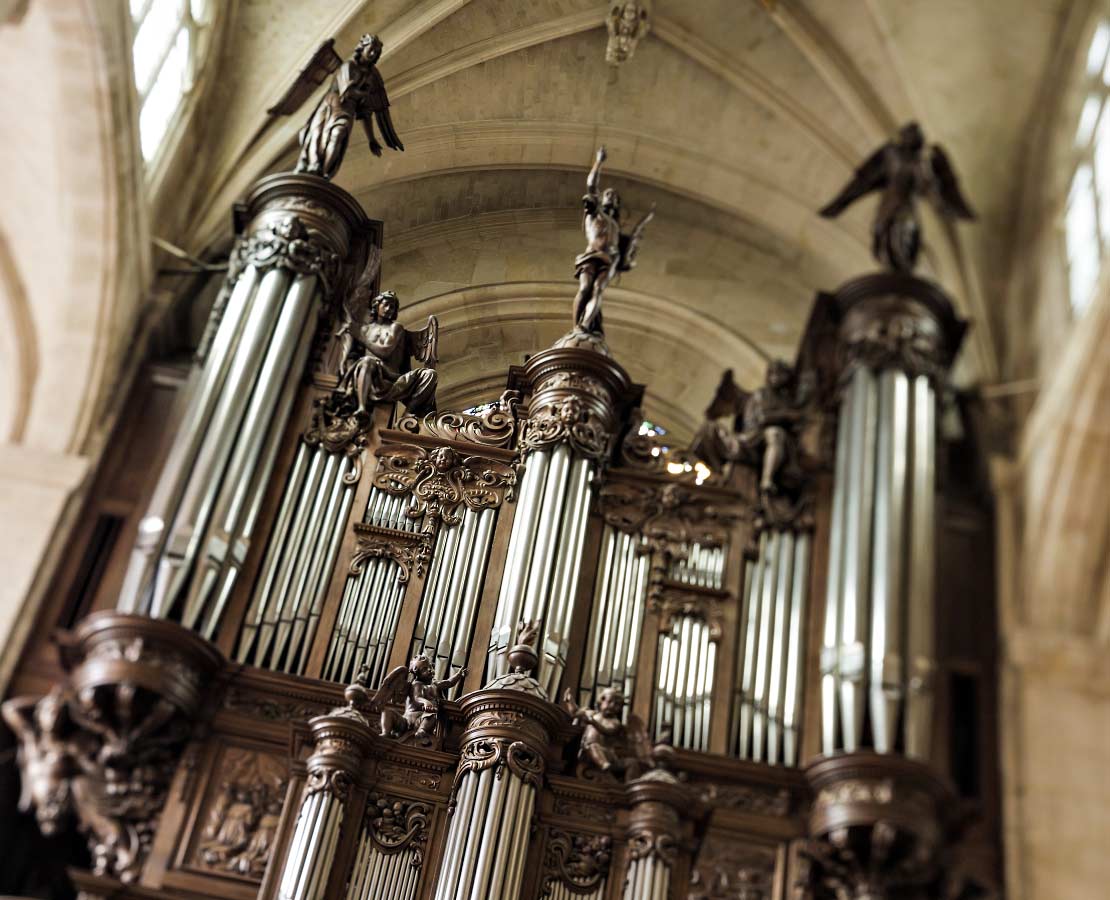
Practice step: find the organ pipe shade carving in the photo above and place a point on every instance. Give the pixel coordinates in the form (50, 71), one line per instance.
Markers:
(390, 855)
(766, 714)
(544, 556)
(620, 592)
(878, 648)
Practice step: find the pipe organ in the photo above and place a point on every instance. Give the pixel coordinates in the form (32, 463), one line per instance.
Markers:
(521, 651)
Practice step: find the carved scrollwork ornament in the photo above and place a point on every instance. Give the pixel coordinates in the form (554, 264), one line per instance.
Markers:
(670, 514)
(500, 754)
(578, 861)
(646, 843)
(493, 425)
(338, 427)
(670, 603)
(568, 420)
(442, 482)
(285, 242)
(905, 339)
(327, 779)
(396, 824)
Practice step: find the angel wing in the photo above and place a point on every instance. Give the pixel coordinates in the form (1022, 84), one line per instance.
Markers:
(729, 400)
(945, 187)
(424, 344)
(638, 741)
(356, 300)
(868, 177)
(630, 243)
(375, 105)
(393, 689)
(323, 62)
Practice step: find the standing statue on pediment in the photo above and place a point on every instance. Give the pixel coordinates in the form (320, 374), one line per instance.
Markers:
(375, 353)
(357, 94)
(608, 252)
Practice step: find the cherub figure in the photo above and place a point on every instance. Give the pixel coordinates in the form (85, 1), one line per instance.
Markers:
(608, 252)
(357, 93)
(902, 171)
(609, 745)
(375, 352)
(422, 697)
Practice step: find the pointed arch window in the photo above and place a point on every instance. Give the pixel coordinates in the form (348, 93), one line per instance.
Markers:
(171, 38)
(1087, 214)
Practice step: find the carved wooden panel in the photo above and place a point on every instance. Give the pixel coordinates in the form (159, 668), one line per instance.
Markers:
(733, 866)
(236, 820)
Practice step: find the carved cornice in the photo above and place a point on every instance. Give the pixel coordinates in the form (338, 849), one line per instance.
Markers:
(757, 800)
(396, 824)
(580, 861)
(494, 426)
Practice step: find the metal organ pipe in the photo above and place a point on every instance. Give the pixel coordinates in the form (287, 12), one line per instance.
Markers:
(878, 654)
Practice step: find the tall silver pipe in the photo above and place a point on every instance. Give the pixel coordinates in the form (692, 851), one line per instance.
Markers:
(795, 656)
(834, 591)
(436, 569)
(567, 566)
(763, 655)
(857, 558)
(777, 678)
(920, 645)
(332, 554)
(521, 542)
(538, 586)
(464, 627)
(194, 509)
(203, 392)
(750, 650)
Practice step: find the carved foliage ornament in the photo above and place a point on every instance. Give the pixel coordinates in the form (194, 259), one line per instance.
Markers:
(286, 243)
(566, 419)
(395, 824)
(675, 602)
(325, 778)
(441, 481)
(578, 861)
(339, 428)
(498, 754)
(899, 334)
(493, 425)
(669, 514)
(408, 552)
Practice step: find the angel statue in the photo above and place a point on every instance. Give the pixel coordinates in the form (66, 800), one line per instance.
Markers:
(379, 370)
(764, 427)
(608, 252)
(357, 93)
(422, 697)
(903, 171)
(609, 745)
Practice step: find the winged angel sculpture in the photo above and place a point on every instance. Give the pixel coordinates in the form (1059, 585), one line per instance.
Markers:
(610, 746)
(421, 694)
(375, 352)
(903, 170)
(357, 94)
(763, 428)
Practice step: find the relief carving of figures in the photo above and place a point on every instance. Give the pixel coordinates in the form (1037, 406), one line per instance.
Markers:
(397, 824)
(375, 353)
(608, 251)
(242, 823)
(903, 170)
(610, 747)
(357, 94)
(726, 869)
(579, 861)
(628, 23)
(416, 689)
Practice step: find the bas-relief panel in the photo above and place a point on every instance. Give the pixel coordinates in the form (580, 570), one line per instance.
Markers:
(733, 866)
(238, 815)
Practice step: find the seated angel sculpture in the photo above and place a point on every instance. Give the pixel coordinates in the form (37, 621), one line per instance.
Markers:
(422, 697)
(380, 369)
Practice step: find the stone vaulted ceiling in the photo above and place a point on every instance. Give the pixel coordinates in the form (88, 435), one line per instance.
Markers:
(737, 118)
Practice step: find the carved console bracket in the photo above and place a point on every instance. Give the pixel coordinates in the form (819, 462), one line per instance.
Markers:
(671, 600)
(396, 824)
(104, 744)
(878, 827)
(577, 860)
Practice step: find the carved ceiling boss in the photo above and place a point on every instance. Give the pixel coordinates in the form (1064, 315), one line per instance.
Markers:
(628, 23)
(608, 251)
(356, 94)
(903, 171)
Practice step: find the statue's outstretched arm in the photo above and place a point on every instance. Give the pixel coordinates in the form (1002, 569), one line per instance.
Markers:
(593, 180)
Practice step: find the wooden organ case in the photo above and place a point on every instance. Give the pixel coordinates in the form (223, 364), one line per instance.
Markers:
(791, 675)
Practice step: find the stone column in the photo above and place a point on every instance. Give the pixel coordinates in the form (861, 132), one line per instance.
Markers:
(298, 233)
(341, 741)
(896, 338)
(577, 401)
